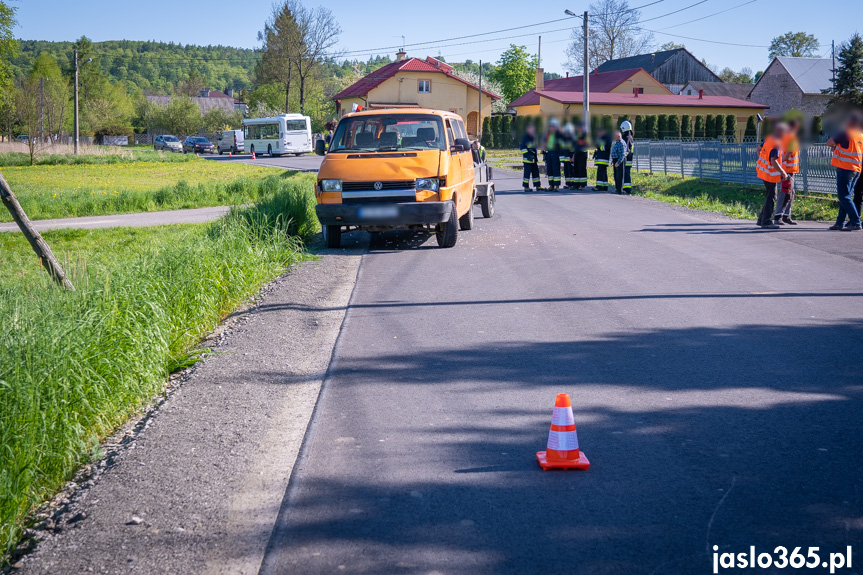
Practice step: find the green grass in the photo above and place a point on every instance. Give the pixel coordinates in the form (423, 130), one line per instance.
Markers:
(75, 365)
(729, 199)
(104, 156)
(58, 191)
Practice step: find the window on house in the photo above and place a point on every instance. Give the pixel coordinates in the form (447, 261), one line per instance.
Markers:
(424, 86)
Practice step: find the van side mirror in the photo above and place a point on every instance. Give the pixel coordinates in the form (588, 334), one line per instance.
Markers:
(460, 145)
(320, 147)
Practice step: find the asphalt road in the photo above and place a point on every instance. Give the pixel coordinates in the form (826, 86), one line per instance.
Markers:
(305, 163)
(714, 371)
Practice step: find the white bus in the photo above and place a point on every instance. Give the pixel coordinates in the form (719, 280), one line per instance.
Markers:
(285, 134)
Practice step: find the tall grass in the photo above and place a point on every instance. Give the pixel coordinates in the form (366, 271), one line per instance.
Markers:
(75, 365)
(104, 156)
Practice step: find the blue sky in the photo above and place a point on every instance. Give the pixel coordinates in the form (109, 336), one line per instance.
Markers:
(376, 30)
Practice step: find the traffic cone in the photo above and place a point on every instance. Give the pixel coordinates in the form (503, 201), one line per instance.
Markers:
(230, 155)
(562, 451)
(253, 155)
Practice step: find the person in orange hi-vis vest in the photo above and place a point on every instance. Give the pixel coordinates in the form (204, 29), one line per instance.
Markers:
(791, 163)
(770, 171)
(848, 161)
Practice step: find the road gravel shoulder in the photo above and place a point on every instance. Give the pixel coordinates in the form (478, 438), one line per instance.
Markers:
(196, 485)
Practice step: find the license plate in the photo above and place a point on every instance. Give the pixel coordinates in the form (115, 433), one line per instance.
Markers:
(378, 212)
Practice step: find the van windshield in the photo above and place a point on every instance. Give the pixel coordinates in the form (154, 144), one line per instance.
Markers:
(387, 132)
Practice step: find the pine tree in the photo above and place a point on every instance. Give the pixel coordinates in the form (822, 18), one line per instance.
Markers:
(539, 124)
(518, 128)
(495, 130)
(686, 127)
(849, 73)
(700, 128)
(751, 128)
(608, 123)
(487, 139)
(710, 126)
(766, 127)
(731, 127)
(640, 124)
(662, 126)
(506, 131)
(594, 123)
(674, 126)
(651, 128)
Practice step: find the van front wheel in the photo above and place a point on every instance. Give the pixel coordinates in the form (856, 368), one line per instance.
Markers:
(447, 232)
(333, 236)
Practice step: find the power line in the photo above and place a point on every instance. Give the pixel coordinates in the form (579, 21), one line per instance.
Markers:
(675, 12)
(709, 15)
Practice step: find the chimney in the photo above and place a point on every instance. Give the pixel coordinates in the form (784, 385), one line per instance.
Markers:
(400, 55)
(635, 92)
(204, 93)
(701, 94)
(540, 79)
(567, 74)
(230, 92)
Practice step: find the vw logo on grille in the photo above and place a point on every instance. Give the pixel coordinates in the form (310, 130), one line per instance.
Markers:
(379, 186)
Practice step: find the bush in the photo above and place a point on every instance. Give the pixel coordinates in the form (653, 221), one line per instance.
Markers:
(719, 126)
(662, 126)
(506, 132)
(640, 123)
(731, 127)
(766, 127)
(651, 131)
(608, 123)
(751, 128)
(817, 127)
(518, 128)
(487, 138)
(595, 123)
(674, 126)
(495, 130)
(686, 126)
(539, 124)
(700, 127)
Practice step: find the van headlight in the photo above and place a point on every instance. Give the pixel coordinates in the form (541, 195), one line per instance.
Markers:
(331, 185)
(431, 184)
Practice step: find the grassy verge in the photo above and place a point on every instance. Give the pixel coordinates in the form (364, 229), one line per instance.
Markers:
(731, 200)
(57, 191)
(75, 365)
(102, 156)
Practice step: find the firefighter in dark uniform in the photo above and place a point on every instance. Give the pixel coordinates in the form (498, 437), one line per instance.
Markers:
(580, 159)
(529, 158)
(567, 148)
(552, 154)
(600, 160)
(629, 138)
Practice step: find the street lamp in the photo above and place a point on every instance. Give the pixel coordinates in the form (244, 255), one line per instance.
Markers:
(77, 133)
(586, 76)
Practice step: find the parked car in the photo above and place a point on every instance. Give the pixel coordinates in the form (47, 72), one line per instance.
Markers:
(23, 138)
(197, 145)
(230, 141)
(167, 142)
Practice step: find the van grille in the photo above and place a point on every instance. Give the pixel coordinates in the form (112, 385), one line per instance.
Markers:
(370, 186)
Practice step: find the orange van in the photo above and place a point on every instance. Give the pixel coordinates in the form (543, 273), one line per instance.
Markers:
(399, 168)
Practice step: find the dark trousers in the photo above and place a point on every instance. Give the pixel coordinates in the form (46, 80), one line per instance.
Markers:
(619, 175)
(858, 195)
(552, 169)
(766, 216)
(568, 171)
(845, 181)
(601, 176)
(581, 170)
(627, 176)
(531, 172)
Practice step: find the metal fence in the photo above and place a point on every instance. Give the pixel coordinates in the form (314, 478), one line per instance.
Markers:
(731, 163)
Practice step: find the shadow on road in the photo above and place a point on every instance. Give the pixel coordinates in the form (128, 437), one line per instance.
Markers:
(735, 437)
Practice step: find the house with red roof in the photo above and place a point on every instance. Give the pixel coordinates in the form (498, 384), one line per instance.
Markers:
(417, 83)
(630, 93)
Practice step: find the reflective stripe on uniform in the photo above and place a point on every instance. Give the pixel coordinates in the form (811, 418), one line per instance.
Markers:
(562, 440)
(600, 162)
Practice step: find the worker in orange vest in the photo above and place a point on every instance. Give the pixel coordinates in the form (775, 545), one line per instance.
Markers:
(770, 171)
(791, 163)
(847, 159)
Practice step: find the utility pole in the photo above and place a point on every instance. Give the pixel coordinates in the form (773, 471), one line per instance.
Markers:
(75, 57)
(586, 112)
(42, 109)
(833, 69)
(479, 107)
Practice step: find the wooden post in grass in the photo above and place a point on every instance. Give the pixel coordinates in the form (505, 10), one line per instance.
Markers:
(39, 245)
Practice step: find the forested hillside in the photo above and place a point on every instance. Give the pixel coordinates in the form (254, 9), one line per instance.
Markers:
(151, 67)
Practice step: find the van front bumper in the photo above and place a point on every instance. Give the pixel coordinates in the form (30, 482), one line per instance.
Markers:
(401, 214)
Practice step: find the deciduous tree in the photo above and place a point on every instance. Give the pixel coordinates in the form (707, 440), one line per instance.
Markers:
(614, 33)
(515, 72)
(796, 44)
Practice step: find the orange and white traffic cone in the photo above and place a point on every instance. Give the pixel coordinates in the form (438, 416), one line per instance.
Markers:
(230, 155)
(253, 155)
(562, 451)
